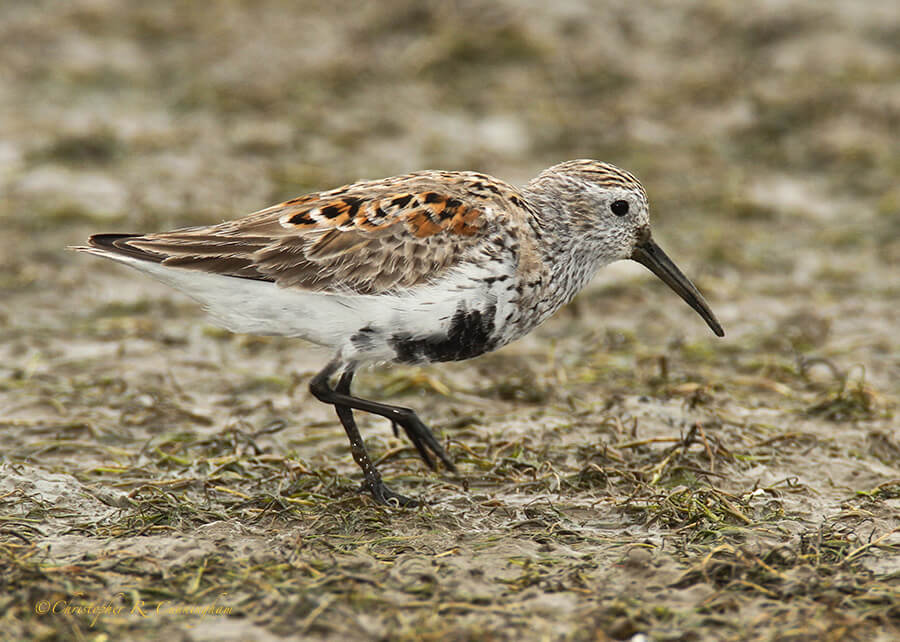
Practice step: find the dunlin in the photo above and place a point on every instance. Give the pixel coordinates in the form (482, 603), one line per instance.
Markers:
(430, 266)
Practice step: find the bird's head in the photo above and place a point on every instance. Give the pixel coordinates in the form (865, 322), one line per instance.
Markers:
(609, 215)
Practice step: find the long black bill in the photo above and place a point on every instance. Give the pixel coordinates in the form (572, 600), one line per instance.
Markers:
(651, 256)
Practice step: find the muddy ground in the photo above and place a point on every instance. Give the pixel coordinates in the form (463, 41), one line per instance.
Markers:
(623, 472)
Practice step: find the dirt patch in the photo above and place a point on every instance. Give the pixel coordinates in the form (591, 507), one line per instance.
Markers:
(622, 471)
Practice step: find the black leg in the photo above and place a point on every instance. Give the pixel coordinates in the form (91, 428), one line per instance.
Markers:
(344, 404)
(381, 493)
(416, 430)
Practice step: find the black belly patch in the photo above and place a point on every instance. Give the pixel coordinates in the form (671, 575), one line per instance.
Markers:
(470, 335)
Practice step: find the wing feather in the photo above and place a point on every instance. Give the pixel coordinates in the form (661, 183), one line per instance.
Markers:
(367, 238)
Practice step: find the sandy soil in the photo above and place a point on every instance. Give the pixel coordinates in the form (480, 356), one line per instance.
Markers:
(623, 473)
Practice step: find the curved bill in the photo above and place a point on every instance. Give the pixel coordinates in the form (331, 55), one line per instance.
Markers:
(651, 256)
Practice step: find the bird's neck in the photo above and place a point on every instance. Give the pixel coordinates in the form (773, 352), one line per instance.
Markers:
(570, 259)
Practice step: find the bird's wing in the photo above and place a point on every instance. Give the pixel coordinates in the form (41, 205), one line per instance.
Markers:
(365, 238)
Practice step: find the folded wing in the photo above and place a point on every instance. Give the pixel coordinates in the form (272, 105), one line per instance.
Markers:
(365, 238)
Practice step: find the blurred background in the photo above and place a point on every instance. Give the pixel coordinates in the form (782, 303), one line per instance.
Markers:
(767, 138)
(765, 133)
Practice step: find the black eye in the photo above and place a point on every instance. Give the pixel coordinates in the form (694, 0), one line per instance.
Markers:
(619, 208)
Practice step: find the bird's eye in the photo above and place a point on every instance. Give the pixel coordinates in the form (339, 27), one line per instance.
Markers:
(619, 208)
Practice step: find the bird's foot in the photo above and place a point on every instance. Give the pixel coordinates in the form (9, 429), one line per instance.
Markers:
(422, 438)
(385, 496)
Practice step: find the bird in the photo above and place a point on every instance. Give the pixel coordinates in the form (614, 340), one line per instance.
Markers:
(431, 266)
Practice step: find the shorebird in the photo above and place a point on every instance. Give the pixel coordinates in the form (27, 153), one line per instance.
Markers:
(425, 267)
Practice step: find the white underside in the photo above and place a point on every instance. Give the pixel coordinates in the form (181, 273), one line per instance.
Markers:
(263, 308)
